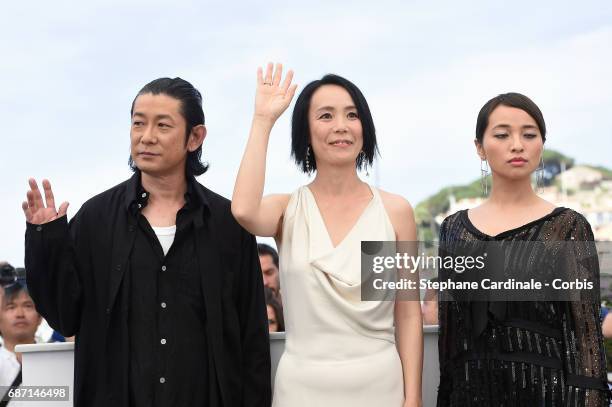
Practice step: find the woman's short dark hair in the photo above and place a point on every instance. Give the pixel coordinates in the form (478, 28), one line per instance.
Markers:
(511, 99)
(190, 108)
(300, 129)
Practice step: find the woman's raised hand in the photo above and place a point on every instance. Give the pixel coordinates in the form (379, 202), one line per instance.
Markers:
(34, 208)
(273, 97)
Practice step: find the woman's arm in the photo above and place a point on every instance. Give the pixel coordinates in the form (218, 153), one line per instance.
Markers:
(408, 318)
(262, 216)
(606, 326)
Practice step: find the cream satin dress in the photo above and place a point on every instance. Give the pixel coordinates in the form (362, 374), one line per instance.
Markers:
(339, 351)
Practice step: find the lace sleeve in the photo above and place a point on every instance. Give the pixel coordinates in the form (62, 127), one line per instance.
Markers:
(584, 354)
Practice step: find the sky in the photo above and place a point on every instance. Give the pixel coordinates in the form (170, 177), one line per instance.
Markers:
(69, 71)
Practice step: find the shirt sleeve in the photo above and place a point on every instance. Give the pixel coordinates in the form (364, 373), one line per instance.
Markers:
(54, 253)
(583, 344)
(254, 328)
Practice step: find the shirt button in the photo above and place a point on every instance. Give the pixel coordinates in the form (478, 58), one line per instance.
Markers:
(38, 228)
(163, 268)
(163, 305)
(162, 380)
(163, 341)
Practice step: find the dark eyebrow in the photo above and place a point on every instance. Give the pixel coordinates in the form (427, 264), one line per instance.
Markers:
(158, 117)
(333, 109)
(507, 126)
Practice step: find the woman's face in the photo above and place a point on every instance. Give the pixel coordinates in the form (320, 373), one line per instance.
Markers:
(336, 135)
(272, 321)
(512, 143)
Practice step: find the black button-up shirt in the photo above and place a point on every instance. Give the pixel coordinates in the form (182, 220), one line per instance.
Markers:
(168, 358)
(80, 277)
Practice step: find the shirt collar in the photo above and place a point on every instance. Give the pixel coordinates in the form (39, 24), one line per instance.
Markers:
(136, 196)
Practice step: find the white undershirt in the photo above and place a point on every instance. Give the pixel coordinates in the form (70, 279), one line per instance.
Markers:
(165, 235)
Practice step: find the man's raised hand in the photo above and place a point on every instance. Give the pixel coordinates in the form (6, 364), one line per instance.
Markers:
(273, 97)
(34, 208)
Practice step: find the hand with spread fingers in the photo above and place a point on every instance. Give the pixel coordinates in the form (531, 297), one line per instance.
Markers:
(34, 208)
(273, 97)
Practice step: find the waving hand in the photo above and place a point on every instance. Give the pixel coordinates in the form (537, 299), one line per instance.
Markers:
(273, 97)
(34, 208)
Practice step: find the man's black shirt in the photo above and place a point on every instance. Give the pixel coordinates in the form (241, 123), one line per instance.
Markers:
(80, 278)
(167, 320)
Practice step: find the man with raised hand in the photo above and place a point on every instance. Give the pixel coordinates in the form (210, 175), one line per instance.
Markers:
(159, 283)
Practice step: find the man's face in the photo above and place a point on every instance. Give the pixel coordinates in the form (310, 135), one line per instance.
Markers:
(269, 272)
(19, 318)
(159, 145)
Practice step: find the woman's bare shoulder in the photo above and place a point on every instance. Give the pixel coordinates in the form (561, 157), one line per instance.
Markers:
(395, 204)
(400, 214)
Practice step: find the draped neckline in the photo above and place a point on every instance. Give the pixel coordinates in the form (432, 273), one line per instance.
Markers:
(353, 227)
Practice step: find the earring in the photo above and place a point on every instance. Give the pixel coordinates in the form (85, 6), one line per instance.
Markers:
(484, 172)
(540, 176)
(307, 160)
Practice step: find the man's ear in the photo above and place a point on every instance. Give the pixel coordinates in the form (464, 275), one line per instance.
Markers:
(479, 150)
(196, 137)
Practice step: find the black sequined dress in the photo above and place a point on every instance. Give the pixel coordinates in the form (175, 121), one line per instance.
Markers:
(537, 353)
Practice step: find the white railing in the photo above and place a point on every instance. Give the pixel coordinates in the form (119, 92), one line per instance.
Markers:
(52, 364)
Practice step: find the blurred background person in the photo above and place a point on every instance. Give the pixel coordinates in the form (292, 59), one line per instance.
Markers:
(276, 321)
(19, 321)
(268, 258)
(8, 276)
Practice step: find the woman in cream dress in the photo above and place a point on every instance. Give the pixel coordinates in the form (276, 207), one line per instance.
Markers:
(339, 350)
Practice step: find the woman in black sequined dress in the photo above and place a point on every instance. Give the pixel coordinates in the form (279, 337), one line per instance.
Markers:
(546, 353)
